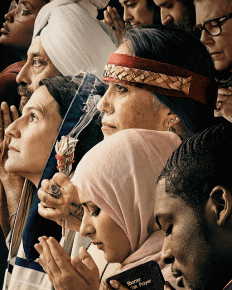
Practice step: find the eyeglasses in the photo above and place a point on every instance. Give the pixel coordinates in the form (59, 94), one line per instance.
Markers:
(19, 9)
(214, 26)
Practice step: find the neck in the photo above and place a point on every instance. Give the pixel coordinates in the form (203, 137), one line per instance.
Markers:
(35, 179)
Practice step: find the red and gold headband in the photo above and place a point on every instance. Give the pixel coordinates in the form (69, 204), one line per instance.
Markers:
(157, 77)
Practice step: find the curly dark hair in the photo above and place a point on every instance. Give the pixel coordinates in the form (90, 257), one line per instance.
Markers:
(200, 164)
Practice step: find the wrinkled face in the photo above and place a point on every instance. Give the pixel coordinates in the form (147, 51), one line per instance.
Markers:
(37, 67)
(136, 12)
(32, 136)
(18, 33)
(174, 13)
(218, 46)
(126, 106)
(104, 232)
(187, 245)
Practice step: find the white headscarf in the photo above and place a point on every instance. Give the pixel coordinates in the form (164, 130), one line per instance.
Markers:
(73, 39)
(119, 175)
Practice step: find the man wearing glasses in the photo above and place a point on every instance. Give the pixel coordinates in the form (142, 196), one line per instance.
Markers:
(214, 21)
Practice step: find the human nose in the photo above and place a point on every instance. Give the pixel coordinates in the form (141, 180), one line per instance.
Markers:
(166, 253)
(105, 104)
(10, 16)
(87, 228)
(24, 75)
(13, 130)
(166, 18)
(127, 15)
(206, 38)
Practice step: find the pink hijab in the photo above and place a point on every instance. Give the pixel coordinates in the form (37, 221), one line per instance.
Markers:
(119, 175)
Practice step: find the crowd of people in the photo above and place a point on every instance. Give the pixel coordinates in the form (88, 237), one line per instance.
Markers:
(115, 143)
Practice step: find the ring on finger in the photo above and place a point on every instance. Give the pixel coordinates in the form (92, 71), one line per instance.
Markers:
(54, 190)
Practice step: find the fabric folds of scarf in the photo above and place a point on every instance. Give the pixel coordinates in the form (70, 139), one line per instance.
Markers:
(73, 39)
(122, 180)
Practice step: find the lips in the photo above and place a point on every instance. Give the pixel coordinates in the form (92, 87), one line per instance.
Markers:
(215, 54)
(134, 24)
(96, 243)
(99, 245)
(107, 126)
(179, 278)
(12, 149)
(5, 29)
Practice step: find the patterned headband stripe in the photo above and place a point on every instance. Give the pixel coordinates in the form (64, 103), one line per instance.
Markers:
(134, 75)
(160, 78)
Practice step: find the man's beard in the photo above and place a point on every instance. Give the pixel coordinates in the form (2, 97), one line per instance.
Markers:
(26, 93)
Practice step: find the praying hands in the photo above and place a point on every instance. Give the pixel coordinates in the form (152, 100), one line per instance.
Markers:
(66, 273)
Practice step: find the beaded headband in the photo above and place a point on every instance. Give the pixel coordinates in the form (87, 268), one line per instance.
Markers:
(157, 77)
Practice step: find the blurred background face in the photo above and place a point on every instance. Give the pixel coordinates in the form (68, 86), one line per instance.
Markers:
(32, 136)
(136, 12)
(17, 32)
(174, 13)
(220, 46)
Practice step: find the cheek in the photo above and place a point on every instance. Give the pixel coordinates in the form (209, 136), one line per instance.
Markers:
(144, 15)
(135, 114)
(115, 240)
(227, 47)
(22, 34)
(47, 71)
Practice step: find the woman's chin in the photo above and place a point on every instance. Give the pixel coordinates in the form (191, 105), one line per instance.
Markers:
(8, 166)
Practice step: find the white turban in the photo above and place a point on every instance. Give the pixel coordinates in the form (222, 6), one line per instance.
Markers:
(73, 39)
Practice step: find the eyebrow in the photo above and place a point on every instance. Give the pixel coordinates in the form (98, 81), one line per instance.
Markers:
(34, 54)
(163, 3)
(27, 3)
(37, 108)
(124, 2)
(37, 54)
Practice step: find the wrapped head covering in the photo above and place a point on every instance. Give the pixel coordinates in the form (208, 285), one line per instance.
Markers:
(119, 175)
(73, 39)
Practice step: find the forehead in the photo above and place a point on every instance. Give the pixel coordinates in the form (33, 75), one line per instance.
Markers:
(83, 197)
(37, 49)
(165, 203)
(210, 9)
(124, 2)
(42, 99)
(124, 48)
(162, 2)
(36, 4)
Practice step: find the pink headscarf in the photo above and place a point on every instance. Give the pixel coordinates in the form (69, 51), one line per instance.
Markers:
(119, 175)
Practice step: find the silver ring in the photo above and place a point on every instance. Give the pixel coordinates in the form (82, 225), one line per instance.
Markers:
(54, 190)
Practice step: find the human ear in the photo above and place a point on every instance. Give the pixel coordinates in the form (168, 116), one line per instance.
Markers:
(221, 202)
(170, 120)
